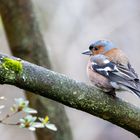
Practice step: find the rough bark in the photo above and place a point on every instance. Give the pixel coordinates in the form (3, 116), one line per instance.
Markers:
(26, 42)
(69, 92)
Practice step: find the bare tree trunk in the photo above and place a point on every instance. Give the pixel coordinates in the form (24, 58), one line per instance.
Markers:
(26, 42)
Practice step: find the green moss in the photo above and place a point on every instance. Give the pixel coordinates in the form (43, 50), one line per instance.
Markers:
(14, 66)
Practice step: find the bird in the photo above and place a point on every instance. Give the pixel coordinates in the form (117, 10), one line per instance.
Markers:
(109, 69)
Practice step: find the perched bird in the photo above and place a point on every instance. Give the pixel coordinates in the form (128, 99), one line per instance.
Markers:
(109, 69)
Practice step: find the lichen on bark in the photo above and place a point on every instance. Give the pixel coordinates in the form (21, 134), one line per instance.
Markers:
(12, 65)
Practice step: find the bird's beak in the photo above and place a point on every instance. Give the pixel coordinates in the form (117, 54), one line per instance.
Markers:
(87, 52)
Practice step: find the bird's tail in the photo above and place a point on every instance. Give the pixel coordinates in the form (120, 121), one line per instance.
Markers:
(135, 89)
(137, 92)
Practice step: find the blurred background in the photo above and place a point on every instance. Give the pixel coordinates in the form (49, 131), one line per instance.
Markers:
(68, 28)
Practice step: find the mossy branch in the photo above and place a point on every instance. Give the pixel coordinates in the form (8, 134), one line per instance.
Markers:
(69, 92)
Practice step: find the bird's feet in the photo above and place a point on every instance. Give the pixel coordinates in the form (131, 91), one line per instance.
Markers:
(111, 93)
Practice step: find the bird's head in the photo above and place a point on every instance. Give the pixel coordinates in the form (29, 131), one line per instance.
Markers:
(99, 47)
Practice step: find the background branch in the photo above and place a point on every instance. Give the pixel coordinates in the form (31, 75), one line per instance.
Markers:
(69, 92)
(25, 41)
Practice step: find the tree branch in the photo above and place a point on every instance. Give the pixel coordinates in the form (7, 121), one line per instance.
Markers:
(69, 92)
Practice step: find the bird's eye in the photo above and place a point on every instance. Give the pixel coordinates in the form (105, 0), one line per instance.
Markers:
(95, 48)
(90, 47)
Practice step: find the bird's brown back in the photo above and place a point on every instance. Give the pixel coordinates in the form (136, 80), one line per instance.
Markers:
(117, 56)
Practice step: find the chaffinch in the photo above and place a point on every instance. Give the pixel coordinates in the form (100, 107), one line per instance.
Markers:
(109, 69)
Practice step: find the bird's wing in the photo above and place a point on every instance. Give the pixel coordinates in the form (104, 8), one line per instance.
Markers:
(127, 70)
(118, 73)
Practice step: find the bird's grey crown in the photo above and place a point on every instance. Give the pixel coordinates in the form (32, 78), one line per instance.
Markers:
(105, 43)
